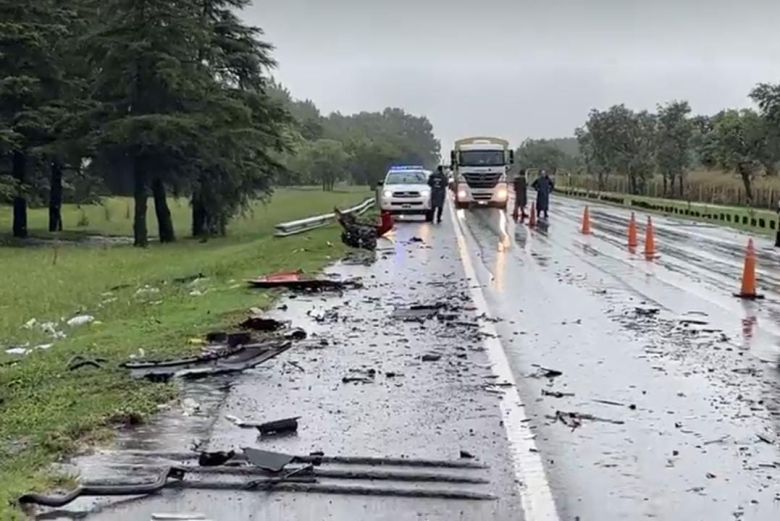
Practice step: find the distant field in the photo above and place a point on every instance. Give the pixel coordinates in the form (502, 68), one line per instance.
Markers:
(705, 186)
(47, 411)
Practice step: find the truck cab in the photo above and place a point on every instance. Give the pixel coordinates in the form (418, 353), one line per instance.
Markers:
(480, 166)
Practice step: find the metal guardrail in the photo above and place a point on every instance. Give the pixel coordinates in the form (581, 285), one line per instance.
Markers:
(312, 223)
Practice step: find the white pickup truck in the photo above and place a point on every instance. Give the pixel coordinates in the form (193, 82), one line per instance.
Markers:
(405, 191)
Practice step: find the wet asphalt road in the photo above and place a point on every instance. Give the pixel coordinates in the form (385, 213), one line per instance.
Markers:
(674, 382)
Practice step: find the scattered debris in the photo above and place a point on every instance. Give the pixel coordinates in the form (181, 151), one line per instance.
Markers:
(545, 372)
(574, 419)
(279, 426)
(430, 357)
(296, 334)
(257, 322)
(20, 351)
(216, 337)
(273, 461)
(416, 239)
(555, 394)
(239, 339)
(216, 362)
(717, 440)
(296, 281)
(466, 455)
(646, 312)
(80, 320)
(190, 407)
(609, 402)
(765, 439)
(215, 459)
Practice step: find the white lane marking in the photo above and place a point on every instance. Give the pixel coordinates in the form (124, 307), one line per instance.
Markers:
(531, 481)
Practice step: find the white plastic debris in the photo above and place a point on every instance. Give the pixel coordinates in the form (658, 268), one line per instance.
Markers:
(147, 290)
(30, 323)
(20, 351)
(44, 346)
(196, 293)
(190, 407)
(80, 320)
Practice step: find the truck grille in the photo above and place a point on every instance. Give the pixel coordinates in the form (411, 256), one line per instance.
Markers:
(402, 195)
(482, 180)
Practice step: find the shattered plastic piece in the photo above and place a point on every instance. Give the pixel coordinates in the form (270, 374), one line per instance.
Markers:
(430, 357)
(238, 339)
(298, 283)
(466, 455)
(224, 361)
(259, 323)
(215, 459)
(279, 426)
(80, 320)
(30, 323)
(273, 461)
(17, 351)
(555, 394)
(545, 372)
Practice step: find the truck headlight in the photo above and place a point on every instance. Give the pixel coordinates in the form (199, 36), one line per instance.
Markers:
(502, 194)
(387, 194)
(425, 192)
(462, 194)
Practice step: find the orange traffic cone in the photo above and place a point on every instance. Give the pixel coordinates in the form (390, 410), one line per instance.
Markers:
(650, 239)
(633, 240)
(532, 217)
(586, 221)
(749, 290)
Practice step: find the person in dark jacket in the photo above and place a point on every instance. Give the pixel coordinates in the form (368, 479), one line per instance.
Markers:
(438, 183)
(544, 187)
(521, 195)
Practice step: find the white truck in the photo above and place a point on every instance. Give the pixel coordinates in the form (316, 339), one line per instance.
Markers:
(480, 166)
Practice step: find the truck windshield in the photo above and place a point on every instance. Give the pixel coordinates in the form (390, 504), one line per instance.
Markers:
(482, 158)
(406, 178)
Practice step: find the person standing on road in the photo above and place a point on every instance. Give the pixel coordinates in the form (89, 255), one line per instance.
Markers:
(543, 186)
(521, 195)
(438, 183)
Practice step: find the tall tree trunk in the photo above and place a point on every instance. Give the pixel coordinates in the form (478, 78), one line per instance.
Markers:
(55, 197)
(199, 217)
(164, 222)
(745, 171)
(140, 234)
(20, 201)
(681, 178)
(666, 178)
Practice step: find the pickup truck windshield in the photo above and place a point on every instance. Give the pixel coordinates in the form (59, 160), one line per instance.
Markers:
(482, 158)
(406, 178)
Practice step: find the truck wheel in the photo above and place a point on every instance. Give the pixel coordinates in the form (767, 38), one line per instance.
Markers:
(429, 216)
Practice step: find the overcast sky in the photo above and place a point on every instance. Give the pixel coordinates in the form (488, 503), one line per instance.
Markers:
(522, 68)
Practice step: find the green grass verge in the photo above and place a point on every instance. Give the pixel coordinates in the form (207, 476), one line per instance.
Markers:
(47, 412)
(739, 217)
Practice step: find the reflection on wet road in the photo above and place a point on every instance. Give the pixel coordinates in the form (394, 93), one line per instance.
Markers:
(674, 383)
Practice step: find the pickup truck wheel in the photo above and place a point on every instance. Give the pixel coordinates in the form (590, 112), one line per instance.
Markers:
(429, 216)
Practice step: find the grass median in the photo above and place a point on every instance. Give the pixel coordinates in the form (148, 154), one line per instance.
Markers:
(138, 302)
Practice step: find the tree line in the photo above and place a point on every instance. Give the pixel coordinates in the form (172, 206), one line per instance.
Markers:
(669, 142)
(159, 98)
(356, 148)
